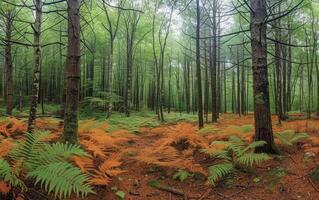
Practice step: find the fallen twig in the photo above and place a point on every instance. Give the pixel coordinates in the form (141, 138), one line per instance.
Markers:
(205, 194)
(313, 184)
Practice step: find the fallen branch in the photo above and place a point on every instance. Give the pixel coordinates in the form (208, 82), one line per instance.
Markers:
(159, 186)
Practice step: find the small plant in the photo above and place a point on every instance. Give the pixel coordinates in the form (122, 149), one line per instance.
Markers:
(208, 130)
(181, 175)
(272, 177)
(290, 137)
(247, 128)
(315, 174)
(46, 164)
(236, 155)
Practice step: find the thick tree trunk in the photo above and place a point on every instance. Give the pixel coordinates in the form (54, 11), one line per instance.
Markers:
(37, 66)
(73, 67)
(263, 125)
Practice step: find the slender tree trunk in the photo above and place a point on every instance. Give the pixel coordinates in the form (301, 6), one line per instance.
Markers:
(263, 125)
(214, 65)
(8, 66)
(37, 66)
(169, 85)
(73, 66)
(198, 71)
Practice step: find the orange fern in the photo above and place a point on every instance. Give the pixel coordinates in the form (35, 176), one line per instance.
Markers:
(5, 148)
(4, 187)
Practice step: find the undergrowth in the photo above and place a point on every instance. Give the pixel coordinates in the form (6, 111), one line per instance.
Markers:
(234, 155)
(48, 165)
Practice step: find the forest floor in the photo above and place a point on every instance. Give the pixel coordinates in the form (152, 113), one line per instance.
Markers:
(139, 150)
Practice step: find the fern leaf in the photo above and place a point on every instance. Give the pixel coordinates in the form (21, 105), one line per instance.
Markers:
(7, 175)
(62, 179)
(253, 145)
(60, 152)
(219, 171)
(251, 159)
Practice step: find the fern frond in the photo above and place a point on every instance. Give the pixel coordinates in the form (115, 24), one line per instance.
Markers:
(289, 137)
(222, 154)
(33, 143)
(253, 145)
(62, 178)
(251, 159)
(5, 148)
(219, 171)
(58, 152)
(7, 175)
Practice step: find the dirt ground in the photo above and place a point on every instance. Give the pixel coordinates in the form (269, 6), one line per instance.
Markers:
(157, 153)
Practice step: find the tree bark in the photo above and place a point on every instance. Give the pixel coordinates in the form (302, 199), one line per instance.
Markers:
(263, 125)
(73, 67)
(198, 71)
(8, 65)
(37, 66)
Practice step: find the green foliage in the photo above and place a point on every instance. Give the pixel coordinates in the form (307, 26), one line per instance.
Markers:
(181, 175)
(154, 183)
(62, 178)
(219, 171)
(102, 100)
(7, 175)
(315, 174)
(120, 194)
(290, 137)
(237, 155)
(247, 128)
(272, 177)
(208, 130)
(49, 165)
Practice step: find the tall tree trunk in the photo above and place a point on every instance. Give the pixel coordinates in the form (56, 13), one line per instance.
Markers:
(198, 71)
(214, 65)
(263, 125)
(73, 66)
(8, 66)
(278, 76)
(37, 66)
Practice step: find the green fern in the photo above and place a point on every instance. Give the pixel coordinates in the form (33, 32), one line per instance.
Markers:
(58, 152)
(7, 175)
(252, 159)
(290, 137)
(237, 155)
(62, 178)
(181, 175)
(219, 171)
(49, 165)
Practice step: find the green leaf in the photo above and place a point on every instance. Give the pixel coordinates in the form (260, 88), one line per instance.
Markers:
(219, 171)
(120, 194)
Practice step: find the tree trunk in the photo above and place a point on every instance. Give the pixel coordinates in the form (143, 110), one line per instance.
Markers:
(263, 125)
(73, 66)
(8, 66)
(198, 71)
(214, 65)
(37, 66)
